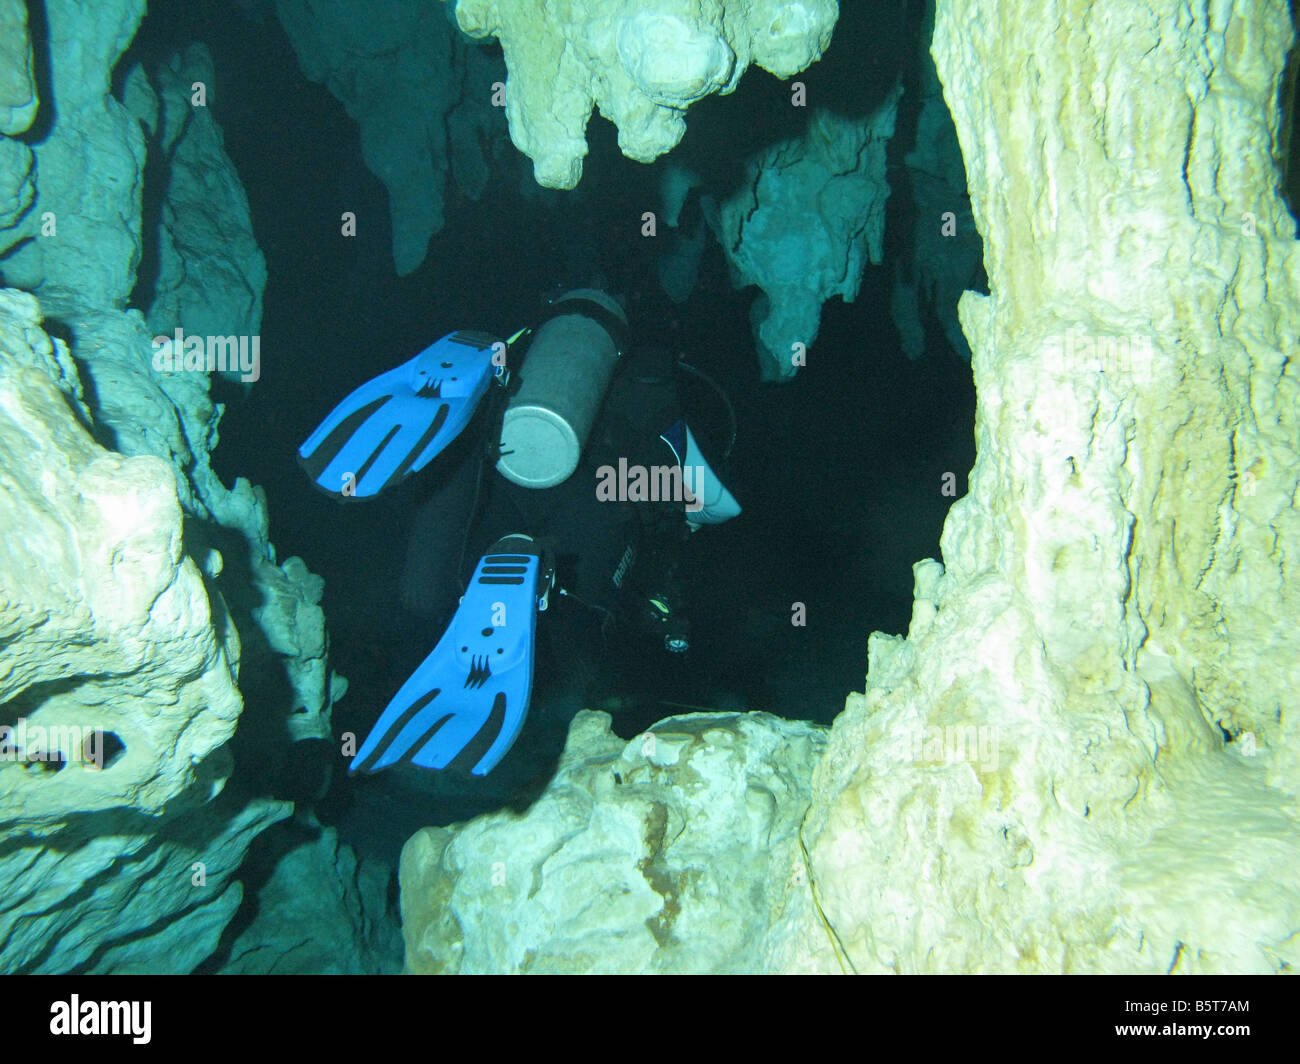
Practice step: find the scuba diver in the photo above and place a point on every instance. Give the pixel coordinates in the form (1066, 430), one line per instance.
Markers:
(602, 481)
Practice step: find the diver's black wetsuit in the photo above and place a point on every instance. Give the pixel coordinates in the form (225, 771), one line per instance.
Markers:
(610, 557)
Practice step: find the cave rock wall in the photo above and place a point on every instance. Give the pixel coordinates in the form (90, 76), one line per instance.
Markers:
(1084, 755)
(140, 598)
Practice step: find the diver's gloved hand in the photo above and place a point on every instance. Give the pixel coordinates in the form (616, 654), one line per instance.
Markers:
(464, 706)
(396, 424)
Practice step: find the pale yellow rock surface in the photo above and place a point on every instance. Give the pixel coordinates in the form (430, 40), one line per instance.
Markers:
(100, 611)
(106, 625)
(1119, 592)
(668, 853)
(643, 64)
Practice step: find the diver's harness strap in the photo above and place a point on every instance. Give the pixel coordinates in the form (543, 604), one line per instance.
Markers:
(546, 582)
(503, 386)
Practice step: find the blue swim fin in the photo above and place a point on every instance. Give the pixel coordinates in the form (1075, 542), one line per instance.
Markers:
(396, 424)
(464, 706)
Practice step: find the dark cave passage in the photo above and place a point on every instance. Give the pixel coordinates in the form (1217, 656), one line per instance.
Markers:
(839, 470)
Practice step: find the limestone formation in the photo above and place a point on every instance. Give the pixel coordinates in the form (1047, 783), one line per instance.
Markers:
(421, 95)
(18, 103)
(665, 854)
(18, 100)
(100, 599)
(1084, 756)
(80, 242)
(320, 912)
(119, 690)
(140, 600)
(210, 270)
(945, 252)
(806, 219)
(642, 64)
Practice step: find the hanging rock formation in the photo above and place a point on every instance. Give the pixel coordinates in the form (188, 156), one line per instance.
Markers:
(17, 85)
(642, 65)
(806, 220)
(210, 270)
(421, 95)
(79, 243)
(945, 253)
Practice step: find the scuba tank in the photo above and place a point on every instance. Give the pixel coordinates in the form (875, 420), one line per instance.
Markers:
(562, 385)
